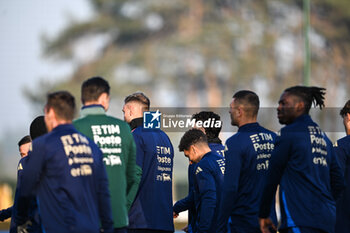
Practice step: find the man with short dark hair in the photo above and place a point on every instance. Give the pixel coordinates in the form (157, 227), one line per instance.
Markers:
(342, 150)
(303, 163)
(247, 162)
(37, 128)
(215, 145)
(208, 179)
(66, 172)
(114, 138)
(152, 210)
(23, 145)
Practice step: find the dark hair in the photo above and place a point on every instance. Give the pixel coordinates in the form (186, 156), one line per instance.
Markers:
(24, 140)
(345, 109)
(191, 137)
(211, 132)
(93, 88)
(250, 100)
(309, 95)
(37, 127)
(138, 97)
(63, 103)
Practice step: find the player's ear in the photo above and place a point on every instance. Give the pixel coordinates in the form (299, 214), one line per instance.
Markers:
(300, 106)
(104, 100)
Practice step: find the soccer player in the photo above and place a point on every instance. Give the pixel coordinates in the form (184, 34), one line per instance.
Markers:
(342, 150)
(304, 164)
(23, 147)
(215, 145)
(114, 138)
(37, 128)
(247, 162)
(208, 180)
(66, 173)
(152, 210)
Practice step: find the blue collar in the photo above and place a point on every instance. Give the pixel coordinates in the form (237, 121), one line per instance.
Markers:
(247, 127)
(63, 127)
(302, 118)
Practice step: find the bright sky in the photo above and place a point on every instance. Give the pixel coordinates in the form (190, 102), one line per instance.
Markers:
(22, 23)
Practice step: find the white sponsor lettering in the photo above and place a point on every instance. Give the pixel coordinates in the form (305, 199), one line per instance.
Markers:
(101, 141)
(105, 129)
(263, 166)
(83, 170)
(112, 160)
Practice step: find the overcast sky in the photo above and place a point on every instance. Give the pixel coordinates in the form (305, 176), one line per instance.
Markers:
(22, 23)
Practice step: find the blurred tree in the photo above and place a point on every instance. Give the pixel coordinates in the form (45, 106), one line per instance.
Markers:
(198, 52)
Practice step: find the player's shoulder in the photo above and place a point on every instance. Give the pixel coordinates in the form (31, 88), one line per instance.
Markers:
(343, 142)
(208, 159)
(265, 130)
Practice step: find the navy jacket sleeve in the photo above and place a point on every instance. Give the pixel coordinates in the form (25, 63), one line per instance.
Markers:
(231, 179)
(337, 178)
(185, 203)
(104, 203)
(278, 162)
(341, 156)
(5, 213)
(29, 179)
(207, 193)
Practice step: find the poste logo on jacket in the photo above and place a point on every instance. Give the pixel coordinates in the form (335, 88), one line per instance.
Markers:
(151, 120)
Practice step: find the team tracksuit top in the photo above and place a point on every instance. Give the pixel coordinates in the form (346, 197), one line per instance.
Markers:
(114, 138)
(153, 205)
(247, 162)
(208, 180)
(187, 203)
(32, 215)
(342, 150)
(66, 172)
(310, 179)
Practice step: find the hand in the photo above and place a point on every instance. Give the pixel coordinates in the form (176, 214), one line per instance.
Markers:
(23, 228)
(175, 215)
(265, 224)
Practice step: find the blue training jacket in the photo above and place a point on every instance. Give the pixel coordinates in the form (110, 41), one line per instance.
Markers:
(247, 162)
(32, 214)
(66, 172)
(304, 165)
(342, 150)
(153, 207)
(209, 177)
(188, 203)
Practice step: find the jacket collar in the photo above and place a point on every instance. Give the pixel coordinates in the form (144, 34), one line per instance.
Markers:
(136, 123)
(248, 126)
(94, 109)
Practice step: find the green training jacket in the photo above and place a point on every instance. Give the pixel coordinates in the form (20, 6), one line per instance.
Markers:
(114, 138)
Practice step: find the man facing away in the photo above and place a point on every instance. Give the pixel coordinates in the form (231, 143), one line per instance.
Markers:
(114, 138)
(342, 150)
(215, 145)
(65, 171)
(152, 210)
(208, 180)
(303, 163)
(247, 162)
